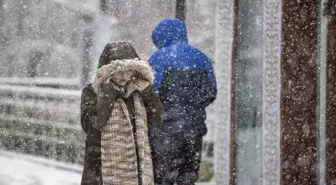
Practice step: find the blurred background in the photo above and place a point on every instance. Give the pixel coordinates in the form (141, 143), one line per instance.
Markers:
(50, 51)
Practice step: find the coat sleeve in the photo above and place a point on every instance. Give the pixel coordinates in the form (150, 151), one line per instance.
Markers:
(205, 92)
(95, 111)
(88, 109)
(154, 108)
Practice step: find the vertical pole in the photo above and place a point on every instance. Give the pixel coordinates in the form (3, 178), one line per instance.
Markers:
(272, 31)
(21, 16)
(330, 11)
(322, 93)
(249, 93)
(299, 68)
(224, 105)
(180, 11)
(35, 57)
(87, 49)
(2, 22)
(104, 6)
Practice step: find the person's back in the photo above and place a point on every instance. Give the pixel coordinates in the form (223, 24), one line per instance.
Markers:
(186, 83)
(184, 78)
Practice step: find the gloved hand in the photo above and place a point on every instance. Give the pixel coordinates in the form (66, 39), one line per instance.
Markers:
(105, 103)
(110, 90)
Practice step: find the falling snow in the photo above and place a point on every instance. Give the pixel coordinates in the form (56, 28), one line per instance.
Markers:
(274, 118)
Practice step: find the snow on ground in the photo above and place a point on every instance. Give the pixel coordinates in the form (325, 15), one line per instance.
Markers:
(19, 169)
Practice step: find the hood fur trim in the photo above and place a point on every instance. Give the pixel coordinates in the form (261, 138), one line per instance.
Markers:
(142, 68)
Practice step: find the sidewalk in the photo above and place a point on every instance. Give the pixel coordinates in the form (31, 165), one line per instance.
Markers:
(18, 169)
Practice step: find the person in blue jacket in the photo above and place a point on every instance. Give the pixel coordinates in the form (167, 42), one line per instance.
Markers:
(185, 81)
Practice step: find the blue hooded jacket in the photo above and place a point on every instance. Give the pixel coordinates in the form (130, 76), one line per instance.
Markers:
(170, 37)
(184, 78)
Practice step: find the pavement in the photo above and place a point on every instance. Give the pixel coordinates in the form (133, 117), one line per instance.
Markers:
(20, 169)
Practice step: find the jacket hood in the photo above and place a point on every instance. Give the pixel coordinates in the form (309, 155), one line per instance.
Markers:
(169, 32)
(117, 51)
(141, 68)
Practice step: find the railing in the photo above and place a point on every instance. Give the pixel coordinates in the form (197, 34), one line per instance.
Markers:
(41, 121)
(64, 83)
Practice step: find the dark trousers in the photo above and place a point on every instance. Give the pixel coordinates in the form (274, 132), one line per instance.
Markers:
(176, 159)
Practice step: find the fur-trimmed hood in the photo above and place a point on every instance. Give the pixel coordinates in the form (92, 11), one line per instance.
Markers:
(140, 67)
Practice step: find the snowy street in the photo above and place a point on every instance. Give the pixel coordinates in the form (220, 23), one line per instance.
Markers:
(19, 169)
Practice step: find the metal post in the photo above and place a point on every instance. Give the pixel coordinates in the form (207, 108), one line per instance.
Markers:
(224, 69)
(181, 9)
(2, 22)
(104, 6)
(87, 50)
(271, 115)
(322, 94)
